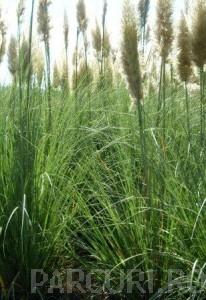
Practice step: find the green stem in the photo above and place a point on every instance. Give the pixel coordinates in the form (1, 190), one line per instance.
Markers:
(188, 113)
(85, 49)
(47, 50)
(164, 101)
(203, 102)
(201, 106)
(143, 146)
(29, 66)
(103, 38)
(20, 75)
(159, 95)
(67, 67)
(76, 62)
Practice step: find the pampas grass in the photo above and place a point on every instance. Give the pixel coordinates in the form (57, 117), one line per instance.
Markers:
(97, 43)
(164, 37)
(56, 77)
(81, 16)
(198, 39)
(185, 52)
(24, 59)
(82, 25)
(44, 31)
(198, 34)
(65, 76)
(66, 34)
(3, 38)
(107, 192)
(143, 8)
(38, 66)
(13, 58)
(185, 63)
(131, 67)
(104, 14)
(164, 28)
(130, 56)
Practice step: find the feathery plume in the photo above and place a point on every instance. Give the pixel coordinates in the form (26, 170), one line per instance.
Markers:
(107, 45)
(185, 63)
(24, 58)
(3, 43)
(84, 76)
(38, 65)
(198, 39)
(13, 57)
(198, 35)
(185, 53)
(44, 19)
(131, 65)
(97, 38)
(103, 36)
(44, 31)
(164, 31)
(97, 43)
(64, 72)
(81, 16)
(64, 77)
(108, 78)
(143, 8)
(56, 76)
(2, 38)
(130, 56)
(82, 25)
(66, 31)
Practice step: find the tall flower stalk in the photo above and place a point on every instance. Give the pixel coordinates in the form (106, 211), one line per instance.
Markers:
(3, 39)
(198, 39)
(44, 31)
(131, 66)
(13, 58)
(56, 77)
(82, 26)
(97, 43)
(76, 60)
(164, 36)
(103, 36)
(38, 66)
(143, 9)
(20, 15)
(66, 46)
(29, 68)
(13, 69)
(185, 63)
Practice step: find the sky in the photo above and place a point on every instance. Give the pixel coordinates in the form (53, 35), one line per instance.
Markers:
(94, 11)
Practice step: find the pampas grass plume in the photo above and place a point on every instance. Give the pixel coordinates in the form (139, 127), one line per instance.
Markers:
(81, 16)
(198, 34)
(130, 56)
(44, 19)
(164, 30)
(185, 54)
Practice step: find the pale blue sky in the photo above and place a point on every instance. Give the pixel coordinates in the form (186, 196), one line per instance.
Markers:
(94, 10)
